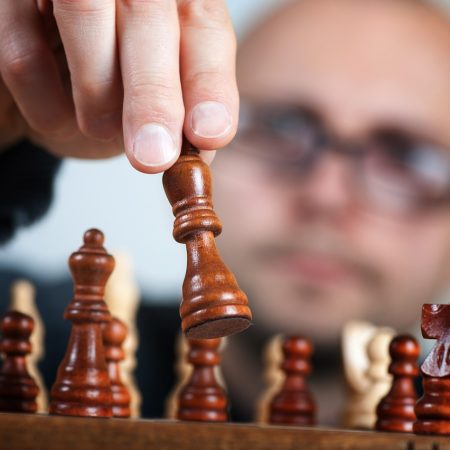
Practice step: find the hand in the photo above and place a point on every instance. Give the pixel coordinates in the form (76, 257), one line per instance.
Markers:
(142, 72)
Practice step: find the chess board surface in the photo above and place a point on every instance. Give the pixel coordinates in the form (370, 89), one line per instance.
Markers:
(42, 432)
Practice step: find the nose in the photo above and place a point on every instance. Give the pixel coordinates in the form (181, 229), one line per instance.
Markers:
(329, 190)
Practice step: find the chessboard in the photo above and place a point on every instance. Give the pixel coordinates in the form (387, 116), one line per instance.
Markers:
(42, 432)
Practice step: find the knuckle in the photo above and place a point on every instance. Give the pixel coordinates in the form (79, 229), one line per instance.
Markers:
(146, 5)
(19, 62)
(156, 109)
(93, 90)
(82, 6)
(197, 11)
(143, 83)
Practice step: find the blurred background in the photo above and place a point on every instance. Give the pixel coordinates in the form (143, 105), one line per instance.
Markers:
(129, 207)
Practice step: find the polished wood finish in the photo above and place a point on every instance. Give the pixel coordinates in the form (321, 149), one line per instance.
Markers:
(39, 432)
(294, 404)
(395, 412)
(18, 390)
(82, 386)
(114, 334)
(203, 399)
(212, 304)
(433, 408)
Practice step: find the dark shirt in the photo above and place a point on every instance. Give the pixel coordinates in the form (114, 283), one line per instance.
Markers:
(26, 186)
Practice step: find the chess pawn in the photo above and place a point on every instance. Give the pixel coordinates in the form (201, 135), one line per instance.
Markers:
(82, 386)
(203, 399)
(114, 334)
(395, 412)
(212, 304)
(294, 404)
(23, 300)
(433, 408)
(18, 390)
(122, 297)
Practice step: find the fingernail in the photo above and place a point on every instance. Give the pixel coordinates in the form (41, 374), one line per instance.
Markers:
(210, 120)
(153, 145)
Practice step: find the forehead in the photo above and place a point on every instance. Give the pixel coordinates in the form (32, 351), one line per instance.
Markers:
(356, 62)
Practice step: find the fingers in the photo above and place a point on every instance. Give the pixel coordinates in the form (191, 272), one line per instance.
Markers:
(153, 107)
(29, 69)
(88, 32)
(208, 49)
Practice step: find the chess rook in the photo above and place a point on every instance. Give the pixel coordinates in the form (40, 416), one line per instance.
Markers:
(114, 334)
(433, 408)
(82, 386)
(395, 412)
(203, 399)
(212, 304)
(18, 390)
(294, 404)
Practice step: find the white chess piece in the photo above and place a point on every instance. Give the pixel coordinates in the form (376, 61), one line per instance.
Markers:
(365, 350)
(273, 376)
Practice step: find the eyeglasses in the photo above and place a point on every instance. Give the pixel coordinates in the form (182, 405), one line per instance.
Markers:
(395, 171)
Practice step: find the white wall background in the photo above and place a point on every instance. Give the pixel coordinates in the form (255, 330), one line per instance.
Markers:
(128, 206)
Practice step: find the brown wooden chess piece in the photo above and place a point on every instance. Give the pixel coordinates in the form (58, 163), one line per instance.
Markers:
(294, 404)
(18, 390)
(114, 334)
(395, 412)
(82, 386)
(433, 408)
(203, 399)
(212, 304)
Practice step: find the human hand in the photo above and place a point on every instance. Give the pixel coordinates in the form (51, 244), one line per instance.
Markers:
(140, 74)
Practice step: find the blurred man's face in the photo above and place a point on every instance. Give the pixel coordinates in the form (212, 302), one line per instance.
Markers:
(312, 249)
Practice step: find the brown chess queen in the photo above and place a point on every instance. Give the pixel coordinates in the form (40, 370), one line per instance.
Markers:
(212, 305)
(82, 386)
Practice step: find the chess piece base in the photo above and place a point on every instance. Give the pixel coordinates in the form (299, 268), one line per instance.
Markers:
(438, 427)
(214, 328)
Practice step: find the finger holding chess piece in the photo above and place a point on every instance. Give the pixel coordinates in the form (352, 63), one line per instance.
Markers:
(395, 412)
(82, 386)
(212, 304)
(294, 403)
(202, 398)
(18, 390)
(114, 334)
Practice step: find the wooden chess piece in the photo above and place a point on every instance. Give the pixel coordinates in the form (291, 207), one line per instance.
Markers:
(23, 300)
(203, 399)
(273, 376)
(82, 386)
(183, 371)
(433, 408)
(114, 334)
(18, 390)
(122, 297)
(366, 351)
(212, 304)
(395, 412)
(294, 404)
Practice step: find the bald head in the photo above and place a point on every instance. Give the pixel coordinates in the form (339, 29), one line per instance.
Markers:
(359, 62)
